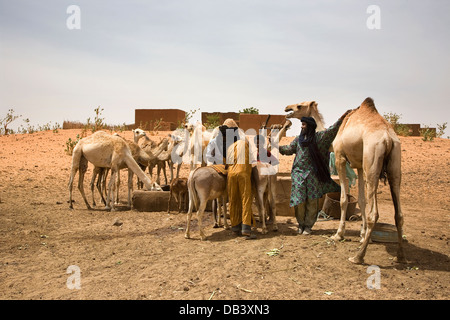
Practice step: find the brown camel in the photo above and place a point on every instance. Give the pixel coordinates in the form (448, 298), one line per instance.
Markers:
(104, 151)
(369, 143)
(179, 190)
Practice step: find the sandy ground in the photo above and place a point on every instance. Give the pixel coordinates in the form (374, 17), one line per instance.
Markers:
(147, 257)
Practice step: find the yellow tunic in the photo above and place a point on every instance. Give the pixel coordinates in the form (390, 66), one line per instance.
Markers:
(239, 184)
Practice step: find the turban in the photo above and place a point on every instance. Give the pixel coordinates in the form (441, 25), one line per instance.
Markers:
(309, 121)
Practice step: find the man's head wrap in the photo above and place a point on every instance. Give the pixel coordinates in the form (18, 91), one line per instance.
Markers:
(308, 139)
(222, 137)
(310, 122)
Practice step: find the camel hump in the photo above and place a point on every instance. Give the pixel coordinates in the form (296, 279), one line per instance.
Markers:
(368, 103)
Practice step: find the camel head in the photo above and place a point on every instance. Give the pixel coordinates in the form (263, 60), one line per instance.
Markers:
(189, 127)
(287, 124)
(306, 109)
(138, 133)
(303, 109)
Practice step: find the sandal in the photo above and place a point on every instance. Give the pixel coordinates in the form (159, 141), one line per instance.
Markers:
(249, 236)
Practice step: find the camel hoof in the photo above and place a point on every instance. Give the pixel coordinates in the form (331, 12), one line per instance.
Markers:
(336, 238)
(264, 231)
(216, 225)
(400, 260)
(187, 236)
(356, 260)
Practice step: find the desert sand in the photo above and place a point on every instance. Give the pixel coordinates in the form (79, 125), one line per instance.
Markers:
(147, 256)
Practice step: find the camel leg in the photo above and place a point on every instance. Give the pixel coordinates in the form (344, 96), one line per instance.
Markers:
(178, 170)
(185, 203)
(362, 202)
(102, 184)
(394, 177)
(110, 200)
(272, 203)
(82, 171)
(180, 199)
(168, 202)
(224, 208)
(95, 174)
(171, 170)
(340, 166)
(76, 158)
(101, 181)
(117, 186)
(164, 171)
(130, 186)
(372, 175)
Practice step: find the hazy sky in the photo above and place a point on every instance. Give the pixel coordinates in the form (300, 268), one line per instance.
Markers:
(223, 56)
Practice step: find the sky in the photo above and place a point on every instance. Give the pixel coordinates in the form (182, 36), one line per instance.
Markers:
(223, 56)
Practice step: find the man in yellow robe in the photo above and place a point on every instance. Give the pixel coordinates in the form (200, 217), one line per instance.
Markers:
(240, 188)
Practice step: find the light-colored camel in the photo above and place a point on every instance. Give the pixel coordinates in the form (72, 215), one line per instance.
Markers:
(204, 184)
(152, 148)
(138, 134)
(198, 142)
(264, 181)
(104, 151)
(142, 158)
(369, 143)
(165, 157)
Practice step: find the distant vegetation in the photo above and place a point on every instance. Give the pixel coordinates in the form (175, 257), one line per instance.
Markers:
(427, 133)
(24, 128)
(251, 110)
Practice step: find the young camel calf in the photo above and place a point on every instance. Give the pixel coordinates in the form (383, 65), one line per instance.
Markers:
(179, 189)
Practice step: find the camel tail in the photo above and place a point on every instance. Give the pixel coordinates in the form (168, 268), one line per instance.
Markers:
(133, 166)
(392, 155)
(383, 173)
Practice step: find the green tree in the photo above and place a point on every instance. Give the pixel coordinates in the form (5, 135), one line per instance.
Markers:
(251, 110)
(10, 117)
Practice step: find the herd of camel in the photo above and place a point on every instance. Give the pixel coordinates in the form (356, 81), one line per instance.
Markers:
(365, 141)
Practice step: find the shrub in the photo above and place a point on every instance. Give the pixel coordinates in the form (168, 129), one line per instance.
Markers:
(70, 145)
(400, 129)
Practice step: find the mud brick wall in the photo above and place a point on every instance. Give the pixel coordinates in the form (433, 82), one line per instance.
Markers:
(148, 118)
(222, 116)
(255, 121)
(414, 129)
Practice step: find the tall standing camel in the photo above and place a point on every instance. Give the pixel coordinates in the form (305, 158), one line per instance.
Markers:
(369, 143)
(105, 151)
